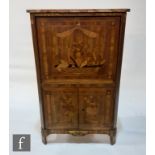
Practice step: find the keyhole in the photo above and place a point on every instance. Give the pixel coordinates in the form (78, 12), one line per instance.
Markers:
(83, 109)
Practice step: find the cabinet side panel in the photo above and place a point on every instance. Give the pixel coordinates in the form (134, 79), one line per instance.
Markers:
(119, 64)
(37, 63)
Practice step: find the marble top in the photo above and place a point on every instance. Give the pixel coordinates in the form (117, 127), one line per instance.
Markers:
(75, 10)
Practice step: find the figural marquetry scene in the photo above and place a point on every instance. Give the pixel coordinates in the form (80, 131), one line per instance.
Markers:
(78, 55)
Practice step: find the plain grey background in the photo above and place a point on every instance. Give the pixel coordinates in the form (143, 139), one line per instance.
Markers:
(24, 106)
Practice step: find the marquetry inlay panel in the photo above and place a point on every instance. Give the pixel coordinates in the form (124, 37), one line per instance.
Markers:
(79, 48)
(95, 107)
(61, 108)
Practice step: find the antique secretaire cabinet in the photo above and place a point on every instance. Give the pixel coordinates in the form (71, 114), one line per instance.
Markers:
(78, 56)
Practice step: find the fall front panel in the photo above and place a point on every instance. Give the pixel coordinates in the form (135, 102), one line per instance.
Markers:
(78, 47)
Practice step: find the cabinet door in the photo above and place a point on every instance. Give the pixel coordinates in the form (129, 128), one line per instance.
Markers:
(95, 108)
(61, 108)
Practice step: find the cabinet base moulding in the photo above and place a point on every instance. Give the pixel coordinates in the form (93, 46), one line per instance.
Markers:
(110, 132)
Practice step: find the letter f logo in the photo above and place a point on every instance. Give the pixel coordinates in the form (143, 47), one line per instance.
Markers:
(20, 142)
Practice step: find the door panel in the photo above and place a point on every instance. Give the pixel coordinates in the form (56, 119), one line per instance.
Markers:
(81, 47)
(95, 108)
(61, 108)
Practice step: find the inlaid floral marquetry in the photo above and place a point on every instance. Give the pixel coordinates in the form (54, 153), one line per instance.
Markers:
(95, 107)
(61, 107)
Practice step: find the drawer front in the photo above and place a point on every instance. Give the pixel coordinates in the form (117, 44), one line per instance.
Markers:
(78, 47)
(95, 108)
(61, 108)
